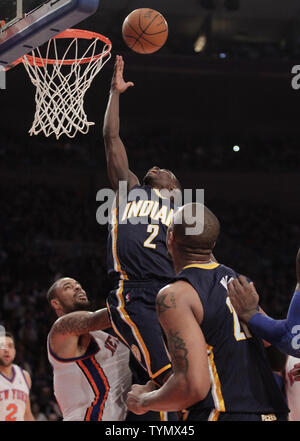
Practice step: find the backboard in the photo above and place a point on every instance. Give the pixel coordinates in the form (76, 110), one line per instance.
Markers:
(30, 23)
(12, 11)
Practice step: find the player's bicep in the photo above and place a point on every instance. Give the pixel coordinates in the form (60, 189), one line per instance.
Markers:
(185, 339)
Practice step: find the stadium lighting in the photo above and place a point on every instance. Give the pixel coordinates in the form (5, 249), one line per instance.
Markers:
(200, 43)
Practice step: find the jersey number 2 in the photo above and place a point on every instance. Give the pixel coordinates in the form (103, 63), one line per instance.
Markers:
(153, 229)
(13, 410)
(238, 333)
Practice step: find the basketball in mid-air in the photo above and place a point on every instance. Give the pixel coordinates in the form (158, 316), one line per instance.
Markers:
(145, 30)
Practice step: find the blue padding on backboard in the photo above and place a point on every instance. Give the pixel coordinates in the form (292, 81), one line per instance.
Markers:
(42, 24)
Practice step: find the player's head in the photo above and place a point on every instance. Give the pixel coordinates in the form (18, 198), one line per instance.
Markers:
(197, 246)
(7, 349)
(66, 295)
(161, 178)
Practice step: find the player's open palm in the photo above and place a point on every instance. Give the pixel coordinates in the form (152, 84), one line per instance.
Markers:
(118, 83)
(243, 297)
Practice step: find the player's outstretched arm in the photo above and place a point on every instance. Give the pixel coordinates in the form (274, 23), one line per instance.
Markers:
(81, 322)
(116, 156)
(243, 297)
(66, 330)
(283, 334)
(189, 382)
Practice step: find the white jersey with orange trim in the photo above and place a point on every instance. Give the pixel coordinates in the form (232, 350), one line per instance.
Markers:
(14, 393)
(292, 389)
(93, 387)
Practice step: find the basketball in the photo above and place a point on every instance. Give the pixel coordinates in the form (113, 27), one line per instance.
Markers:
(145, 30)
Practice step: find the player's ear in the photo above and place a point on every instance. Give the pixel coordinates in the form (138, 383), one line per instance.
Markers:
(55, 304)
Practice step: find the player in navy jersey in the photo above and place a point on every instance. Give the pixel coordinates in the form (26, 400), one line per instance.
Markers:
(138, 262)
(220, 371)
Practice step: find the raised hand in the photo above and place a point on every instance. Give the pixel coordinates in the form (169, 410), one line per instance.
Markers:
(118, 83)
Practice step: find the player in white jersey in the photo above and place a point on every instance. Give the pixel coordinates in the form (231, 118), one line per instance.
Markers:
(15, 384)
(292, 387)
(90, 367)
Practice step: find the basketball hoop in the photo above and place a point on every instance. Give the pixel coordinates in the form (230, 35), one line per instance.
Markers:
(61, 81)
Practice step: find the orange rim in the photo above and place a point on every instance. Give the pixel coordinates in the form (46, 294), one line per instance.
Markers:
(72, 33)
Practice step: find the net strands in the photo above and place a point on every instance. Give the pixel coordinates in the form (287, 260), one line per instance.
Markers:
(60, 89)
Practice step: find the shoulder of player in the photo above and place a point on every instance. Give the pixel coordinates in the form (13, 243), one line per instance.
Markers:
(70, 322)
(27, 377)
(133, 180)
(54, 337)
(133, 183)
(56, 326)
(177, 295)
(63, 341)
(62, 330)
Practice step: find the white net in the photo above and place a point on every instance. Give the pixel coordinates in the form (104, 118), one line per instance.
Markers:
(61, 87)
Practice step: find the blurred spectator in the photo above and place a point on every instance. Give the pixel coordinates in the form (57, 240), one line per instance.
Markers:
(38, 415)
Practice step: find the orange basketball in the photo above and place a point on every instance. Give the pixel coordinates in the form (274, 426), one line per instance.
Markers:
(145, 30)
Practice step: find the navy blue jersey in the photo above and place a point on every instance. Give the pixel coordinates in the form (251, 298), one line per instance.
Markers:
(137, 237)
(241, 376)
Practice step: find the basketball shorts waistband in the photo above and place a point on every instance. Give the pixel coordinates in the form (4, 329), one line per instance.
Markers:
(215, 415)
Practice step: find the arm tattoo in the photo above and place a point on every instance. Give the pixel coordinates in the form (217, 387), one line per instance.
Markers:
(75, 323)
(161, 304)
(178, 351)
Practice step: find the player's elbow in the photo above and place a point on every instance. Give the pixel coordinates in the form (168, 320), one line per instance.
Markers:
(110, 132)
(197, 393)
(192, 391)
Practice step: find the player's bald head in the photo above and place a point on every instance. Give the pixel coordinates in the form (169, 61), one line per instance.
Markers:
(195, 229)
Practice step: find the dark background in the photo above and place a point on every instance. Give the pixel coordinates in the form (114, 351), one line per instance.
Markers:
(186, 112)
